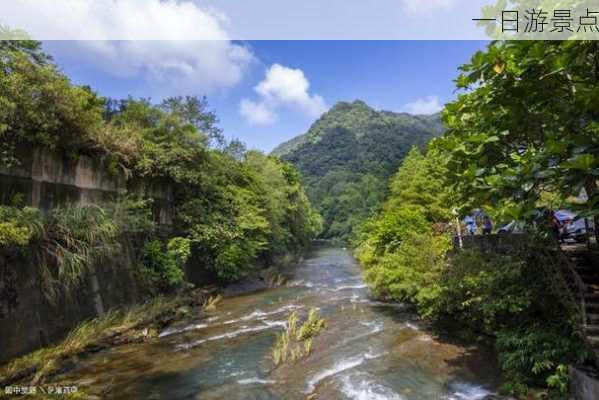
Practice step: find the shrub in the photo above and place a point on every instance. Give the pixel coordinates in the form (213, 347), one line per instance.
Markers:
(537, 355)
(519, 300)
(482, 291)
(18, 226)
(410, 272)
(164, 264)
(72, 240)
(134, 215)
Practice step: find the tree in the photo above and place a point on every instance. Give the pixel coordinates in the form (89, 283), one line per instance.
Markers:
(401, 248)
(39, 105)
(236, 210)
(527, 124)
(194, 110)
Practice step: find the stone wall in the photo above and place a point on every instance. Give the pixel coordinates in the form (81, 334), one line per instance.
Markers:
(584, 384)
(28, 320)
(46, 180)
(500, 244)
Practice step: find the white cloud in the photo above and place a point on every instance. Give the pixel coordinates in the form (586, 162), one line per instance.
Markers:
(114, 19)
(249, 20)
(422, 6)
(282, 86)
(290, 86)
(427, 105)
(257, 113)
(167, 66)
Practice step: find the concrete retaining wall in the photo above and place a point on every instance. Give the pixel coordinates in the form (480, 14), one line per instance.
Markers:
(45, 180)
(29, 321)
(584, 384)
(500, 244)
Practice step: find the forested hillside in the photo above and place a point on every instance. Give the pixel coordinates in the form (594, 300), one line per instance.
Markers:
(347, 157)
(233, 208)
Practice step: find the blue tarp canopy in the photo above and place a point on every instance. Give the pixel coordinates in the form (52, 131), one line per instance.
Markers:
(563, 215)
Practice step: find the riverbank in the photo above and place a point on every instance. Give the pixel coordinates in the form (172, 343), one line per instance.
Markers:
(131, 325)
(135, 324)
(369, 348)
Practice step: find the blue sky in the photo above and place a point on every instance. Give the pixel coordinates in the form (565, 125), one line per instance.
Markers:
(266, 92)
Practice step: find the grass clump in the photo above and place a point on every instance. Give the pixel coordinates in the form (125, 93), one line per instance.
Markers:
(211, 302)
(295, 342)
(274, 279)
(312, 326)
(72, 240)
(110, 329)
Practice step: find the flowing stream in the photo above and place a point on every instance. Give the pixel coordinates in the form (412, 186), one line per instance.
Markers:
(370, 350)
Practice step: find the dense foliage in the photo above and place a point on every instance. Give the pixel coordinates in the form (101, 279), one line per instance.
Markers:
(165, 264)
(234, 209)
(403, 248)
(523, 135)
(527, 124)
(520, 298)
(517, 298)
(347, 157)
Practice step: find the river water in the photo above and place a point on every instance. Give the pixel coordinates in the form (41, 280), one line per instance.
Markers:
(370, 350)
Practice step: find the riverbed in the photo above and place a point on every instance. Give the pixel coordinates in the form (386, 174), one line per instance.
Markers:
(369, 351)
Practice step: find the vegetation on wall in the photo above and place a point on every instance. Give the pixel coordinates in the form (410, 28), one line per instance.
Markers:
(235, 209)
(63, 243)
(347, 157)
(18, 225)
(164, 265)
(73, 240)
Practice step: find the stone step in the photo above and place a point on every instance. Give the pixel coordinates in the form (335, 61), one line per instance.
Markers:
(593, 317)
(592, 329)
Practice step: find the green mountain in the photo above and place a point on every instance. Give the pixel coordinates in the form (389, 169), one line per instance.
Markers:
(347, 157)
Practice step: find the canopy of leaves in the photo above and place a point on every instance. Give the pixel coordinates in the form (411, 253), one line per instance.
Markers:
(402, 248)
(38, 105)
(233, 208)
(527, 124)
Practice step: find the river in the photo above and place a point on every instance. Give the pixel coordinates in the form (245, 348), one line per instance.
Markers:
(369, 351)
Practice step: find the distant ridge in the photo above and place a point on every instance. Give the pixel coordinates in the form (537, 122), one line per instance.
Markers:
(347, 156)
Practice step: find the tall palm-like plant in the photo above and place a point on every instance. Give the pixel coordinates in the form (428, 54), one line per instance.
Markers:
(74, 238)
